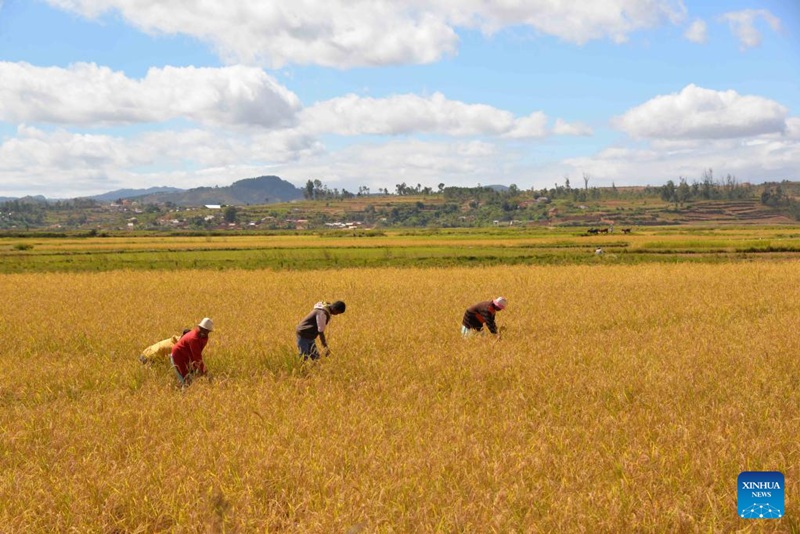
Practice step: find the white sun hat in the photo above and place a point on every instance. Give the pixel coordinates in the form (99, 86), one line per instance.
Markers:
(207, 323)
(500, 303)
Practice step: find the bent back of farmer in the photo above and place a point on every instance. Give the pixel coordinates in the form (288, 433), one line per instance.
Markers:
(187, 353)
(480, 314)
(313, 325)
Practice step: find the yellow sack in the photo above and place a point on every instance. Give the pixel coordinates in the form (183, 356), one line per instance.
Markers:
(159, 351)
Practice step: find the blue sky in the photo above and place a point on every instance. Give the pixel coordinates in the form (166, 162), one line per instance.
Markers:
(99, 95)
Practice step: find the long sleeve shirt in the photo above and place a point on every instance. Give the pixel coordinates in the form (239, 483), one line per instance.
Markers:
(479, 314)
(187, 353)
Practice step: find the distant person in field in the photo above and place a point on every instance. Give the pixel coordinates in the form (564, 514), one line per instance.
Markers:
(482, 314)
(187, 353)
(313, 325)
(160, 352)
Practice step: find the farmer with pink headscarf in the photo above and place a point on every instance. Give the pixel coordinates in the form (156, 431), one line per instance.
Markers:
(482, 314)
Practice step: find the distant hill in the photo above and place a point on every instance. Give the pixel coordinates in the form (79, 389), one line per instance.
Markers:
(133, 193)
(38, 199)
(497, 187)
(260, 190)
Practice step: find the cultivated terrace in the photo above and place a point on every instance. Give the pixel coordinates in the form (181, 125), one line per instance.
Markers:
(449, 207)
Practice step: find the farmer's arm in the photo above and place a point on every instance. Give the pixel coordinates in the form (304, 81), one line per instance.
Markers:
(196, 346)
(201, 366)
(322, 322)
(489, 319)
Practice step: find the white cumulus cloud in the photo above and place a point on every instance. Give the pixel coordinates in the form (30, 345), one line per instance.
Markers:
(755, 162)
(743, 25)
(434, 114)
(336, 33)
(347, 33)
(88, 94)
(405, 114)
(573, 22)
(793, 127)
(66, 164)
(534, 125)
(563, 127)
(697, 32)
(379, 165)
(698, 113)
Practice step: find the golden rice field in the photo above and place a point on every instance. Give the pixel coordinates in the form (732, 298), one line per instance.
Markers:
(641, 238)
(622, 398)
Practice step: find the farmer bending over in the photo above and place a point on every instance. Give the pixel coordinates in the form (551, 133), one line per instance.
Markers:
(481, 314)
(313, 325)
(187, 353)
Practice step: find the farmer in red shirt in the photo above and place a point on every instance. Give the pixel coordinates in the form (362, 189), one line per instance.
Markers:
(187, 353)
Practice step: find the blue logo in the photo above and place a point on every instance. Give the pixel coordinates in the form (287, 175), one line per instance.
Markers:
(761, 495)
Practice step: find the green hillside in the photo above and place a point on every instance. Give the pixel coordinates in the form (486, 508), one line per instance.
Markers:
(451, 207)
